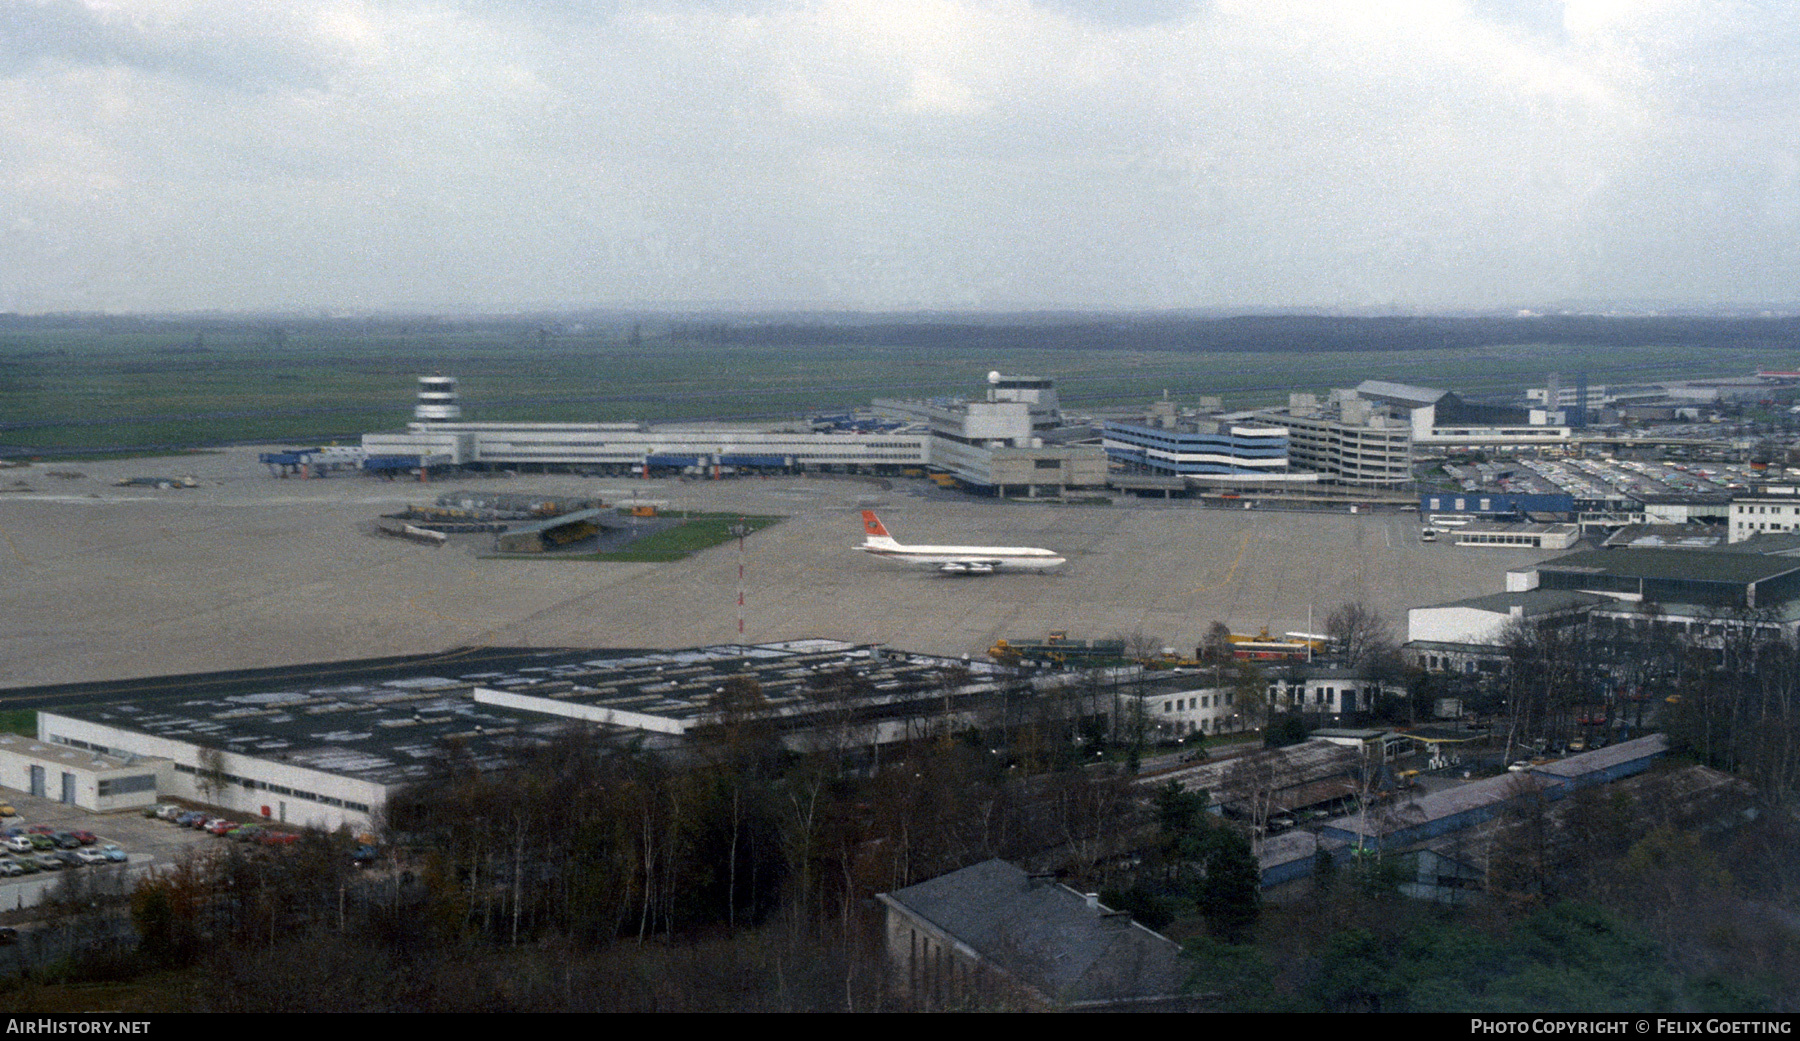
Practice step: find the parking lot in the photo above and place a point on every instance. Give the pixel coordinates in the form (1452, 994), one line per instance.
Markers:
(149, 843)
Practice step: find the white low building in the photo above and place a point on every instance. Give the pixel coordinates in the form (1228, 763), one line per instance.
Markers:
(1770, 508)
(298, 794)
(93, 779)
(1179, 706)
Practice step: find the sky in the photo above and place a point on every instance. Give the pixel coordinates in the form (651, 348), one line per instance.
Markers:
(344, 156)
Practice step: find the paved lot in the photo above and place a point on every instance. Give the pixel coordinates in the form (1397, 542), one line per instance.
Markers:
(150, 843)
(101, 582)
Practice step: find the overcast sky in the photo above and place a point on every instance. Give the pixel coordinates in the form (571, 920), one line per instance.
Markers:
(171, 155)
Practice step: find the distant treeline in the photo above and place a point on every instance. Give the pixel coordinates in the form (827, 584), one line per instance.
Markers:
(1285, 333)
(1062, 330)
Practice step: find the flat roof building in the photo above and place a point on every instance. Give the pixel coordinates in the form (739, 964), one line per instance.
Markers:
(325, 746)
(999, 445)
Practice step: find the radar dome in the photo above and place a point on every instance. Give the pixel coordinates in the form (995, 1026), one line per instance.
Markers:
(994, 377)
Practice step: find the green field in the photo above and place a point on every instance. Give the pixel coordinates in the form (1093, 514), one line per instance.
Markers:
(700, 531)
(141, 384)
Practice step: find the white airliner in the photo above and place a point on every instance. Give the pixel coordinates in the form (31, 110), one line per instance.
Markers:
(955, 560)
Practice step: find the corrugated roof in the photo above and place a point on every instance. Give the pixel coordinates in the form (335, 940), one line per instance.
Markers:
(1606, 758)
(1292, 766)
(1293, 845)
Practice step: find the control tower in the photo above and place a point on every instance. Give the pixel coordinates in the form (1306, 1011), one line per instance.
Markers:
(437, 400)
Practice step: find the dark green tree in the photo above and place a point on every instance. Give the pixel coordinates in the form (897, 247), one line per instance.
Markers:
(1229, 893)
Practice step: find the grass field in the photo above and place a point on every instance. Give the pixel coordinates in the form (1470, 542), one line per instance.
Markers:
(143, 385)
(700, 531)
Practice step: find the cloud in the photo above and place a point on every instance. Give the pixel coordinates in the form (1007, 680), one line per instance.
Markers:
(236, 45)
(887, 153)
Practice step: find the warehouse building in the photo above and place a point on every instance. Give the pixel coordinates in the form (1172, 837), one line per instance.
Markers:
(1466, 635)
(1696, 594)
(318, 756)
(1689, 584)
(324, 746)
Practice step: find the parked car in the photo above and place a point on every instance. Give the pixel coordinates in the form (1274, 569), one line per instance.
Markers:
(49, 862)
(6, 810)
(90, 855)
(87, 838)
(10, 868)
(20, 844)
(113, 852)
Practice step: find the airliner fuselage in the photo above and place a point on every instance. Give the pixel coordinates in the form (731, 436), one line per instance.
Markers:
(955, 560)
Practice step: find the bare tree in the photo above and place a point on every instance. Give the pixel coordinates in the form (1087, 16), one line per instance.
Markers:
(209, 771)
(1250, 693)
(1258, 784)
(1361, 632)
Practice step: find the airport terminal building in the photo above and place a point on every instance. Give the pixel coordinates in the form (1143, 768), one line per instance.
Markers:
(1008, 444)
(640, 448)
(1221, 451)
(1012, 443)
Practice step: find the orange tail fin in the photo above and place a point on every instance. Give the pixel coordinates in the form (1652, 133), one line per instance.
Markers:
(872, 525)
